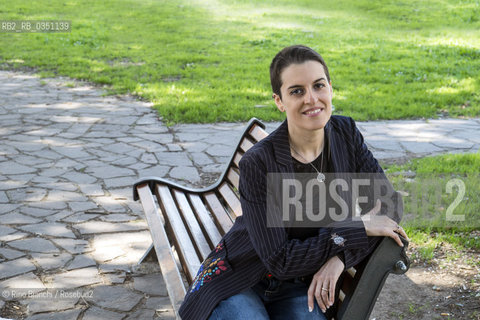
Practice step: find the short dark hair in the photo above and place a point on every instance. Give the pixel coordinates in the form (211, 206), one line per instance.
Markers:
(289, 55)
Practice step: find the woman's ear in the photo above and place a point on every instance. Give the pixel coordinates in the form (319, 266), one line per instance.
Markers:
(278, 102)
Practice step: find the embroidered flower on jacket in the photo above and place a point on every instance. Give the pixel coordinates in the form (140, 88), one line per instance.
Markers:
(219, 247)
(338, 240)
(210, 268)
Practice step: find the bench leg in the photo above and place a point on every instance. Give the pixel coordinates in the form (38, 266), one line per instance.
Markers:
(149, 253)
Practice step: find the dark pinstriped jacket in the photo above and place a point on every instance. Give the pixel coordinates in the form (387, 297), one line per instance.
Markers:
(251, 249)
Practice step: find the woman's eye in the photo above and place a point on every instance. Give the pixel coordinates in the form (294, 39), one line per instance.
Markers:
(296, 92)
(319, 85)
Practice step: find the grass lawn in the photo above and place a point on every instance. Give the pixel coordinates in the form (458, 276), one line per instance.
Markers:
(427, 224)
(207, 60)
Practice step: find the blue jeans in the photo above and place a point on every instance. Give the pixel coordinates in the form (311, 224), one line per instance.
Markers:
(269, 299)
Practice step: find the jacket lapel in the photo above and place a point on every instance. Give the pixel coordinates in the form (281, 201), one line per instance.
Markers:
(333, 152)
(281, 147)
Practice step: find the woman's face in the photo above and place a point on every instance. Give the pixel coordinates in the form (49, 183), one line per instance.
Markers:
(306, 96)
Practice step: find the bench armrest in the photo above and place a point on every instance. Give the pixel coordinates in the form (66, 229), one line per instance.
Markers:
(387, 258)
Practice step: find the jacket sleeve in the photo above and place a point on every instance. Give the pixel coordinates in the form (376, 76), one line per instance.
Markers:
(366, 163)
(282, 257)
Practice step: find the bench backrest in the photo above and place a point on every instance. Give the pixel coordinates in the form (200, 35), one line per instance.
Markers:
(196, 220)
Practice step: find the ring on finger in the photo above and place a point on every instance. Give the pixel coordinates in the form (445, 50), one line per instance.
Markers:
(324, 289)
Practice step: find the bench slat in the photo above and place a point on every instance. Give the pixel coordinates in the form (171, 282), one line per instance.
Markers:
(192, 223)
(258, 133)
(231, 199)
(351, 271)
(185, 249)
(206, 219)
(246, 144)
(219, 212)
(237, 158)
(347, 283)
(233, 177)
(171, 274)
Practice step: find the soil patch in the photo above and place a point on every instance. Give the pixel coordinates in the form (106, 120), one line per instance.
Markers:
(443, 288)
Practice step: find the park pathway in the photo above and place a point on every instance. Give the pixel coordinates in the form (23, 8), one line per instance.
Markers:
(68, 158)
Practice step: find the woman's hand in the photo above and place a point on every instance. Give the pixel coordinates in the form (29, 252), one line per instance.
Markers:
(382, 225)
(323, 284)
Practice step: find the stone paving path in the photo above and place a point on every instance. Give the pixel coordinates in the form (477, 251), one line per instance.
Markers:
(68, 159)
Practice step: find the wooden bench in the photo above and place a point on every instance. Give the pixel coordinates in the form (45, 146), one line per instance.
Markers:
(187, 223)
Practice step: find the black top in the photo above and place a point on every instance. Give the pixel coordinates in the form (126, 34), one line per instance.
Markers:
(303, 233)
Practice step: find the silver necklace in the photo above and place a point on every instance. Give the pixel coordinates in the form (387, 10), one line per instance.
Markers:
(320, 175)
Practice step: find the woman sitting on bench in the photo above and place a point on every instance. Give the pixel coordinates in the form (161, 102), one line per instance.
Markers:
(260, 271)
